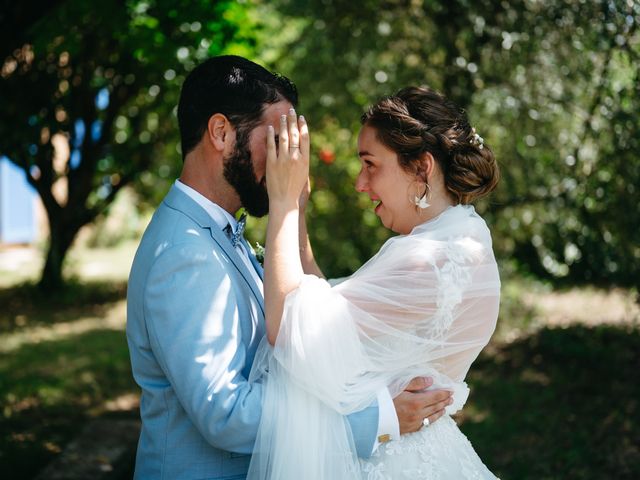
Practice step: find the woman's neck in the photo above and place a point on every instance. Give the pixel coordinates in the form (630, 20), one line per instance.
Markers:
(437, 206)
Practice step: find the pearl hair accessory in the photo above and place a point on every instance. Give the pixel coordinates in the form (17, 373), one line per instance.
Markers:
(476, 139)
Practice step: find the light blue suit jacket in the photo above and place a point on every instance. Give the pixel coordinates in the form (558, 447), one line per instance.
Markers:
(195, 317)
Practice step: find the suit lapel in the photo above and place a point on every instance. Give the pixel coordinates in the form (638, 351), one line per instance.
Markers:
(181, 201)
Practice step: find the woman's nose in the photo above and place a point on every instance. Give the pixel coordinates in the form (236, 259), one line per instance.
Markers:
(361, 182)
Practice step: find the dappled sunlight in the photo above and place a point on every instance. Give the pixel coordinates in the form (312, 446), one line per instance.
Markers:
(123, 403)
(67, 371)
(24, 263)
(114, 319)
(18, 264)
(527, 306)
(112, 263)
(52, 383)
(556, 401)
(588, 306)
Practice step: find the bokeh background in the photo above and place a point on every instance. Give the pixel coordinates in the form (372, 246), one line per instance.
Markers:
(89, 146)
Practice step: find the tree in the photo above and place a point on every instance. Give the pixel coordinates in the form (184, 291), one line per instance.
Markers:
(88, 93)
(551, 86)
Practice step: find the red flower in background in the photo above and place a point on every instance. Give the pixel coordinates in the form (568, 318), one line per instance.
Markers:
(327, 156)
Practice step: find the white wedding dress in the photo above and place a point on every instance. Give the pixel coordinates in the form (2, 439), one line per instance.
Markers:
(425, 305)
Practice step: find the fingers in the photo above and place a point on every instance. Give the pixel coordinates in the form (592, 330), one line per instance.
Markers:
(419, 383)
(432, 397)
(437, 407)
(272, 153)
(294, 134)
(288, 164)
(434, 416)
(413, 408)
(283, 140)
(304, 137)
(418, 406)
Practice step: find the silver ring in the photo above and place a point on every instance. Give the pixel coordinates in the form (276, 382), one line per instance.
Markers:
(294, 146)
(425, 422)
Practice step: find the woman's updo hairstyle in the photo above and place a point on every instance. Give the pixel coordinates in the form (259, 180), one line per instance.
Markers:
(417, 120)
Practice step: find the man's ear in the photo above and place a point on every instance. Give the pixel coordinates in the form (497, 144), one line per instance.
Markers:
(218, 130)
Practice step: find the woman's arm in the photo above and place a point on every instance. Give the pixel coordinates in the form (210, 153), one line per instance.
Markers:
(309, 264)
(287, 173)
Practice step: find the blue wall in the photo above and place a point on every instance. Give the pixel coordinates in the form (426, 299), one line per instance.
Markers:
(17, 215)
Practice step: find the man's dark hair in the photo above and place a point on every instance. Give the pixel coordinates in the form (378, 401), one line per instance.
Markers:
(233, 86)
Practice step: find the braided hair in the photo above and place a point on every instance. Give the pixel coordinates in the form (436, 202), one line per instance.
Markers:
(417, 120)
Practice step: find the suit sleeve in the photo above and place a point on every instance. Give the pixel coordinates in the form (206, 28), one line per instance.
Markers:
(195, 329)
(364, 428)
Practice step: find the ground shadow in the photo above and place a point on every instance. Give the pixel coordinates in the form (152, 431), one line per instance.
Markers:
(559, 404)
(49, 390)
(26, 305)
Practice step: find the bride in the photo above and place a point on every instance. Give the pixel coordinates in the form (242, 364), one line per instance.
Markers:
(425, 305)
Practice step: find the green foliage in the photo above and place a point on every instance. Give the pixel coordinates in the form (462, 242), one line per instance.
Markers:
(551, 86)
(88, 95)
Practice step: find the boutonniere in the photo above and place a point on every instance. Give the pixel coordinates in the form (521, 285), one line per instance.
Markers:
(259, 249)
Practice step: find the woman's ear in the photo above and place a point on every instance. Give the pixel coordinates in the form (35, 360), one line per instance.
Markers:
(426, 166)
(218, 130)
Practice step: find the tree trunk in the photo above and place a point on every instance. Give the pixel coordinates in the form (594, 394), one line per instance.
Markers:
(60, 239)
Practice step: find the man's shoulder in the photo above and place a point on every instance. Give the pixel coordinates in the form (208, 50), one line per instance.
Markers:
(172, 233)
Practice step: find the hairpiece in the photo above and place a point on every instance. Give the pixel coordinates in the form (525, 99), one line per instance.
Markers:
(476, 139)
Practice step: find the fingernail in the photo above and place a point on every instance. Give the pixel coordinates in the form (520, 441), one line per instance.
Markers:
(450, 400)
(283, 118)
(302, 118)
(270, 128)
(292, 111)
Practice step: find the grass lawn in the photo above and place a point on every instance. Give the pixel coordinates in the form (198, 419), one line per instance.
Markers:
(562, 403)
(63, 360)
(554, 396)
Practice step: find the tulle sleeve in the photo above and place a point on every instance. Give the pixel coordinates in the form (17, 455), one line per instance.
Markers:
(422, 306)
(426, 304)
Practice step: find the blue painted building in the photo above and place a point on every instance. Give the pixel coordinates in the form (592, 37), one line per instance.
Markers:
(17, 205)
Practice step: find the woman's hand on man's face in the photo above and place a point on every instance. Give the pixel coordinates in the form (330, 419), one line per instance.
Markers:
(288, 165)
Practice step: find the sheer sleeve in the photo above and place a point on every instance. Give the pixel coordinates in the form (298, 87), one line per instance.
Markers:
(426, 304)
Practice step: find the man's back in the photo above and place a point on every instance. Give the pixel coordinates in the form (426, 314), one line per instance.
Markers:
(194, 323)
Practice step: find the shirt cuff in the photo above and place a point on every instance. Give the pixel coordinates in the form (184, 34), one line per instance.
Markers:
(388, 425)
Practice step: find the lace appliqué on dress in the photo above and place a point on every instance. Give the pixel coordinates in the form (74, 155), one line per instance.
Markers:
(453, 277)
(438, 452)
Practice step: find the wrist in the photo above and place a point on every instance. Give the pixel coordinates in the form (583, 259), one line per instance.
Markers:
(283, 205)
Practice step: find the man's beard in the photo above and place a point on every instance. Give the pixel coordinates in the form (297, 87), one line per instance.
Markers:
(239, 172)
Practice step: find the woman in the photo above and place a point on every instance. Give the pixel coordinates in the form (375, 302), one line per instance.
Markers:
(425, 304)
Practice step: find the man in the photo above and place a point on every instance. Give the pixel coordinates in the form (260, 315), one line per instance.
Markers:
(195, 298)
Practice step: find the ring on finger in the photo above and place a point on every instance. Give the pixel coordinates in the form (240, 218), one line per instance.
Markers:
(426, 422)
(294, 146)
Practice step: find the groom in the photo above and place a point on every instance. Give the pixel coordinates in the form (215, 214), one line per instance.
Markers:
(195, 313)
